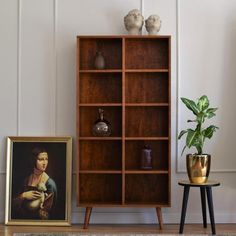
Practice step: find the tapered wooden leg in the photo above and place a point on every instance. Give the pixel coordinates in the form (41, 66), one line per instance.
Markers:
(203, 200)
(211, 209)
(87, 217)
(184, 208)
(159, 216)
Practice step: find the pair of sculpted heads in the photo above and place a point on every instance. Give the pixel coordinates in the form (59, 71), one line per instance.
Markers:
(134, 22)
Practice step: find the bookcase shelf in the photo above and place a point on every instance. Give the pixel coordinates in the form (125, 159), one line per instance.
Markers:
(101, 71)
(146, 172)
(147, 104)
(146, 138)
(100, 171)
(99, 138)
(145, 70)
(100, 104)
(134, 91)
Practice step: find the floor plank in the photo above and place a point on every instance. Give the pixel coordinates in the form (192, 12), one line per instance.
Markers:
(168, 229)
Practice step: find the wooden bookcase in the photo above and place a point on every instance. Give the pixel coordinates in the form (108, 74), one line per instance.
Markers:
(134, 92)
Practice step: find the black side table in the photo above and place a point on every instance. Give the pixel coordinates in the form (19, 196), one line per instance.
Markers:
(205, 189)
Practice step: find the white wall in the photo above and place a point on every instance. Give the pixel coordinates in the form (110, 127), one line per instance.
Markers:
(37, 74)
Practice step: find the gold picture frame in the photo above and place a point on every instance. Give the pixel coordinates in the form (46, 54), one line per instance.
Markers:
(38, 181)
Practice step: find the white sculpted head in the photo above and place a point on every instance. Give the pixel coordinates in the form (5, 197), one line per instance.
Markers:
(134, 22)
(153, 24)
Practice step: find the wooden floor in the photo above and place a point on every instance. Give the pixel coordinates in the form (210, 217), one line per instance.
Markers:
(168, 229)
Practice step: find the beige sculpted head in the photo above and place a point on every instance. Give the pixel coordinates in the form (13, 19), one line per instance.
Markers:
(153, 24)
(134, 22)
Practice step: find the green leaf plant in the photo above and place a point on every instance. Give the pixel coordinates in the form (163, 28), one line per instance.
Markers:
(196, 137)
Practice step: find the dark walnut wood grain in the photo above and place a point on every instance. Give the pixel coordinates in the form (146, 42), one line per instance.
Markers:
(100, 155)
(146, 88)
(147, 189)
(100, 189)
(146, 53)
(102, 88)
(146, 121)
(134, 91)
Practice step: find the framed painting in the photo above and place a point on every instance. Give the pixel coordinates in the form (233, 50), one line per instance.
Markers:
(38, 181)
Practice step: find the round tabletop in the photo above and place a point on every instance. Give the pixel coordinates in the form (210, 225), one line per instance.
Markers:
(209, 183)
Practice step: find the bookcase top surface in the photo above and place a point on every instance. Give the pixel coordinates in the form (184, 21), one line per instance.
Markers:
(124, 36)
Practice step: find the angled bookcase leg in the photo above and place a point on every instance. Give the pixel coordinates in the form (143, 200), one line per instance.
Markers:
(87, 217)
(159, 216)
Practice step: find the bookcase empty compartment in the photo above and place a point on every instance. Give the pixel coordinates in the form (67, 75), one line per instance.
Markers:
(100, 154)
(147, 53)
(146, 121)
(146, 189)
(100, 188)
(146, 88)
(102, 87)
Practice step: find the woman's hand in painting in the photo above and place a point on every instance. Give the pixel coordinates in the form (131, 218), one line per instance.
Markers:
(31, 195)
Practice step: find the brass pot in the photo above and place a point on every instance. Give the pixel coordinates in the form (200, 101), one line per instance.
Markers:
(198, 167)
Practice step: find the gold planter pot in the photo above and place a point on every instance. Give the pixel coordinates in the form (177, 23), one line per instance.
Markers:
(198, 167)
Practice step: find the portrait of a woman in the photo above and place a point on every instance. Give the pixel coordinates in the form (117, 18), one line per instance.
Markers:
(37, 197)
(38, 183)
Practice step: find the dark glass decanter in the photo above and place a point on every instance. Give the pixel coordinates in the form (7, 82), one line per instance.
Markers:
(101, 126)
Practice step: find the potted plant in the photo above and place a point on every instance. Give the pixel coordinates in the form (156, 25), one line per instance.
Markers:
(198, 164)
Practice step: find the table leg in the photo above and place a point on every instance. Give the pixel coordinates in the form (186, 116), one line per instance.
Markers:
(87, 217)
(211, 209)
(184, 208)
(203, 200)
(159, 216)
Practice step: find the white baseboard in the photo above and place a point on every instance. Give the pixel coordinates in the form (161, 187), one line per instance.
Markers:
(147, 218)
(143, 218)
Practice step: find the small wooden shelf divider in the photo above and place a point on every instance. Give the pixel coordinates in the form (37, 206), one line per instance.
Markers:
(134, 91)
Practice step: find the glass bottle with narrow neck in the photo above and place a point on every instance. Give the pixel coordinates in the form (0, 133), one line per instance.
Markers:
(101, 126)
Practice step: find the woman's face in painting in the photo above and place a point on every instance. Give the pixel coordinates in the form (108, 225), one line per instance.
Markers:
(42, 161)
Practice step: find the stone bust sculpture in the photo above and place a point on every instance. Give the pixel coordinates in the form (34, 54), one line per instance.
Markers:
(134, 22)
(153, 24)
